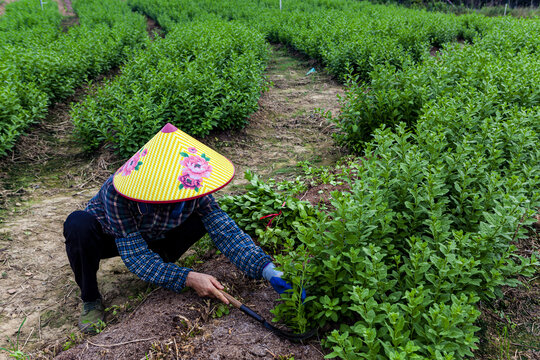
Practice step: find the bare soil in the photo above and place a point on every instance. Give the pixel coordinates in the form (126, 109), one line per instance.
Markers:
(510, 326)
(48, 176)
(184, 326)
(64, 6)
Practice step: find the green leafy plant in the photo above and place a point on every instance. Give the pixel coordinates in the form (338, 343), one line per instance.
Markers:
(271, 214)
(394, 262)
(295, 266)
(201, 77)
(220, 310)
(99, 326)
(13, 350)
(73, 339)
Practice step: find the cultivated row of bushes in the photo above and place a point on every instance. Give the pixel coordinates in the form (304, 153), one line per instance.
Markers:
(498, 71)
(41, 63)
(396, 267)
(362, 36)
(427, 229)
(201, 76)
(451, 166)
(346, 36)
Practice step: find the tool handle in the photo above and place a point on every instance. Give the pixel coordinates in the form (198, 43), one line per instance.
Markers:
(237, 304)
(252, 313)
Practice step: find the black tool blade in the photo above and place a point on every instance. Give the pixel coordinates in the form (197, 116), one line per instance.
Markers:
(282, 333)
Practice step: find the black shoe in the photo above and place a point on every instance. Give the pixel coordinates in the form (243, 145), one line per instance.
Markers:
(92, 316)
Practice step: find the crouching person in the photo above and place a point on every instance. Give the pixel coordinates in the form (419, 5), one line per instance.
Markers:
(154, 208)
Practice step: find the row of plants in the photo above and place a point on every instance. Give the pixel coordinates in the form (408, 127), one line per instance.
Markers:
(41, 63)
(488, 8)
(203, 75)
(357, 39)
(451, 167)
(346, 36)
(24, 22)
(394, 268)
(497, 71)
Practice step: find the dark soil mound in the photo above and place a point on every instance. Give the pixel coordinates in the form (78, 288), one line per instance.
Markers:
(182, 326)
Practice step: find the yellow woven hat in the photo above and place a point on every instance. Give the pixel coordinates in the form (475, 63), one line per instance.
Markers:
(172, 167)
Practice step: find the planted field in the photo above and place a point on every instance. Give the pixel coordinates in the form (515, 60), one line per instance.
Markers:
(420, 225)
(42, 64)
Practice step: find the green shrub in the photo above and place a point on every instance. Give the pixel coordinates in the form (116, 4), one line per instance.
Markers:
(424, 233)
(203, 76)
(495, 72)
(46, 64)
(254, 212)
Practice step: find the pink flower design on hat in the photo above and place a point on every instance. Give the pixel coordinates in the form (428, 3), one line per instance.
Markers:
(196, 169)
(189, 183)
(132, 164)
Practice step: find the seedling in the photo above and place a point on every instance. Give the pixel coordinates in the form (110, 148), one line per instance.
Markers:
(73, 339)
(14, 351)
(99, 326)
(220, 310)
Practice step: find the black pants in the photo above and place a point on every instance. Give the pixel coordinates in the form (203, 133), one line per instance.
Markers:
(87, 244)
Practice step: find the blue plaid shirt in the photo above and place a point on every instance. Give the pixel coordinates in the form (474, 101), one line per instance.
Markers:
(133, 223)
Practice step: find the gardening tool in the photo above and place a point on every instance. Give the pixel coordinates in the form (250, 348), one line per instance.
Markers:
(283, 333)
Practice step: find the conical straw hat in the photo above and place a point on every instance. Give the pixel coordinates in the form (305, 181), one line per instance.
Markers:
(172, 167)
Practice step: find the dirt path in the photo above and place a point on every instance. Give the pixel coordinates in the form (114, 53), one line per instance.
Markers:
(48, 177)
(64, 6)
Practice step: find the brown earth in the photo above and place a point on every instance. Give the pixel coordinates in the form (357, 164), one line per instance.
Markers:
(184, 326)
(48, 176)
(510, 326)
(64, 6)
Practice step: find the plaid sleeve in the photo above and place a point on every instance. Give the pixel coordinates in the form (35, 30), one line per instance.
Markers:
(206, 205)
(235, 243)
(148, 265)
(118, 211)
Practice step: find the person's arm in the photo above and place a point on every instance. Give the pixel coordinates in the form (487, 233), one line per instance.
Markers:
(239, 247)
(231, 240)
(148, 265)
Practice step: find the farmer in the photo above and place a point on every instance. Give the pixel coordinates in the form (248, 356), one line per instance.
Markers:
(150, 212)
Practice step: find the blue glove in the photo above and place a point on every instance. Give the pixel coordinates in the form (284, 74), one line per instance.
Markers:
(274, 277)
(279, 284)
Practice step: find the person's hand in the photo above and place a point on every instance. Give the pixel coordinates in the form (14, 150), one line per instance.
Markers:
(274, 277)
(281, 286)
(206, 285)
